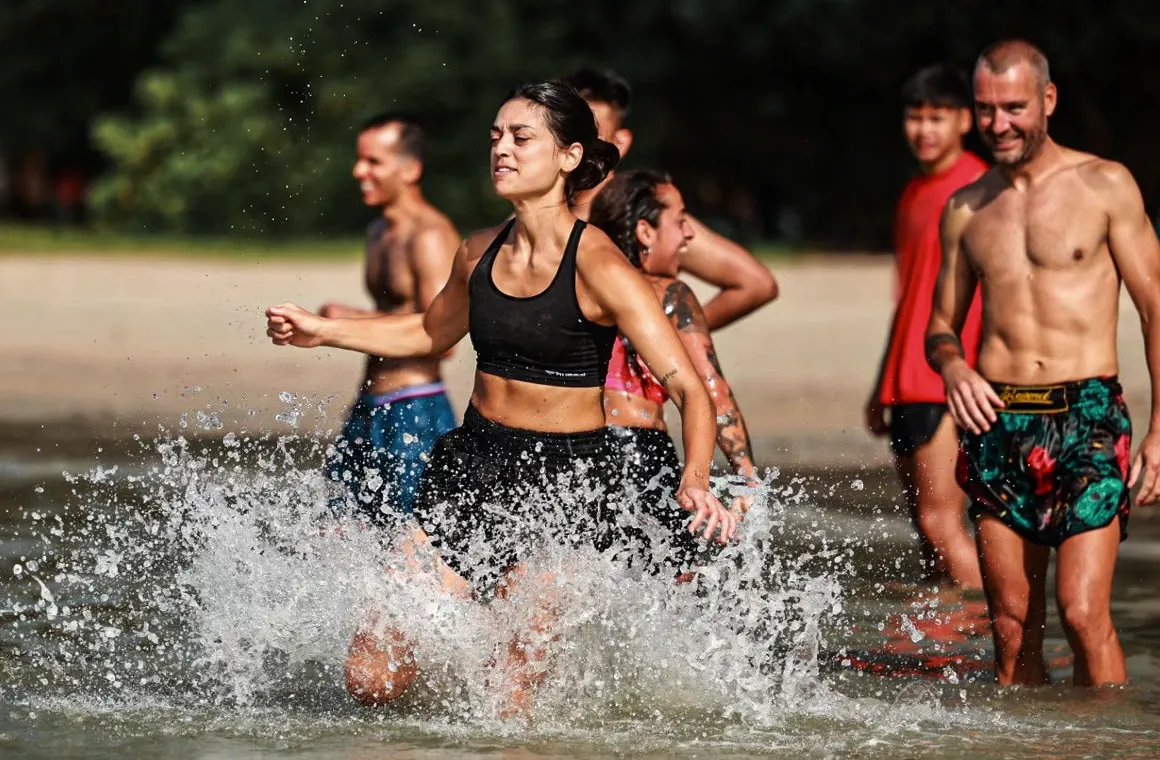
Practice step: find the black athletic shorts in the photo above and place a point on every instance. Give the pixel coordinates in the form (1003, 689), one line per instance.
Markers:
(656, 526)
(492, 495)
(913, 425)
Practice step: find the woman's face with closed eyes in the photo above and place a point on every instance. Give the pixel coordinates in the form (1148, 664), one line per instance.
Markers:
(526, 159)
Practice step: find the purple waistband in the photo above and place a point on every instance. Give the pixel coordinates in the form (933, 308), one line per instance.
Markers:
(411, 391)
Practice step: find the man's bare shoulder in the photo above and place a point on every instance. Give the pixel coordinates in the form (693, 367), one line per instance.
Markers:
(973, 197)
(1104, 176)
(963, 204)
(431, 221)
(432, 235)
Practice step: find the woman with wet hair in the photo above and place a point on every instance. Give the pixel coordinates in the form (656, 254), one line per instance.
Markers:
(644, 214)
(543, 298)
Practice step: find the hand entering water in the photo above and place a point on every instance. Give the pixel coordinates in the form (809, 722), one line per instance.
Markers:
(708, 511)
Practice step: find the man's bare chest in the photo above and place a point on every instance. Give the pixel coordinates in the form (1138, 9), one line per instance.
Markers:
(389, 278)
(1017, 235)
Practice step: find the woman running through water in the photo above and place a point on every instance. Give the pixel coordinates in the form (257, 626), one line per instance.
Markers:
(644, 214)
(542, 298)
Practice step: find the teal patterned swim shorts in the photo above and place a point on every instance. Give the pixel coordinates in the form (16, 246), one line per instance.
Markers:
(1055, 464)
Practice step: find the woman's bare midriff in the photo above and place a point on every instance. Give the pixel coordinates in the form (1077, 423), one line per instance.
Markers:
(529, 406)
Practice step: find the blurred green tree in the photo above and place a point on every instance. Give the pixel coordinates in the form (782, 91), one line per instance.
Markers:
(754, 105)
(252, 126)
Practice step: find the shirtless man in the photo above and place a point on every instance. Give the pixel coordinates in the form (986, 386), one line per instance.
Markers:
(402, 407)
(745, 283)
(1048, 234)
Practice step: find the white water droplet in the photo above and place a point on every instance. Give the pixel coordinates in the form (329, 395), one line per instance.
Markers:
(911, 630)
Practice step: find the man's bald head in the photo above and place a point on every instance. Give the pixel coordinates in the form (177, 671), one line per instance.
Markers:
(1006, 54)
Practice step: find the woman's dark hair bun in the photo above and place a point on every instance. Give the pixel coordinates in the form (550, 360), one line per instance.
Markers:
(600, 158)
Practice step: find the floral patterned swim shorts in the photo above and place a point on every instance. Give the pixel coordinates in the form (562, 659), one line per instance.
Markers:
(1055, 464)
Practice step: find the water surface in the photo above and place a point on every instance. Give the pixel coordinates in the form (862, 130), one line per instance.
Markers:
(176, 598)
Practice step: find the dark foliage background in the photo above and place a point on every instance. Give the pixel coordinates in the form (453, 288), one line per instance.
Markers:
(217, 116)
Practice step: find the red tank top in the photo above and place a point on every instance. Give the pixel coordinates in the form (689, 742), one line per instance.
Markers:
(626, 372)
(906, 377)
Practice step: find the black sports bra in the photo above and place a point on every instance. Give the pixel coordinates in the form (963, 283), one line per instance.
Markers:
(543, 339)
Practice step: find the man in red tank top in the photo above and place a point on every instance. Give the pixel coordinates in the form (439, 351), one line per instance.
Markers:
(937, 116)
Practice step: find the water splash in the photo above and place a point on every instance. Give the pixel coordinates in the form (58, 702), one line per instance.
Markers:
(210, 574)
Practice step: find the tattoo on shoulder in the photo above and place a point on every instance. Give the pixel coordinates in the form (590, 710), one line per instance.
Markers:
(680, 306)
(665, 378)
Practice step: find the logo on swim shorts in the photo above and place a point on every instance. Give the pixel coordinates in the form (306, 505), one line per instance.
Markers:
(1011, 396)
(1037, 399)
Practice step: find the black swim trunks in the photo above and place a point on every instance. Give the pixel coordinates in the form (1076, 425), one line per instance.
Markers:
(654, 524)
(913, 425)
(1055, 464)
(492, 495)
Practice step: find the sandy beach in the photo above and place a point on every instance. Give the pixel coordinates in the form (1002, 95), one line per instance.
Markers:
(109, 346)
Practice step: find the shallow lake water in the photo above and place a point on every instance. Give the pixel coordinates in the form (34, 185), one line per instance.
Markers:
(177, 598)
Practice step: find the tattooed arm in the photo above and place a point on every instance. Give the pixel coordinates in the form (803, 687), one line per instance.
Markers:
(686, 314)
